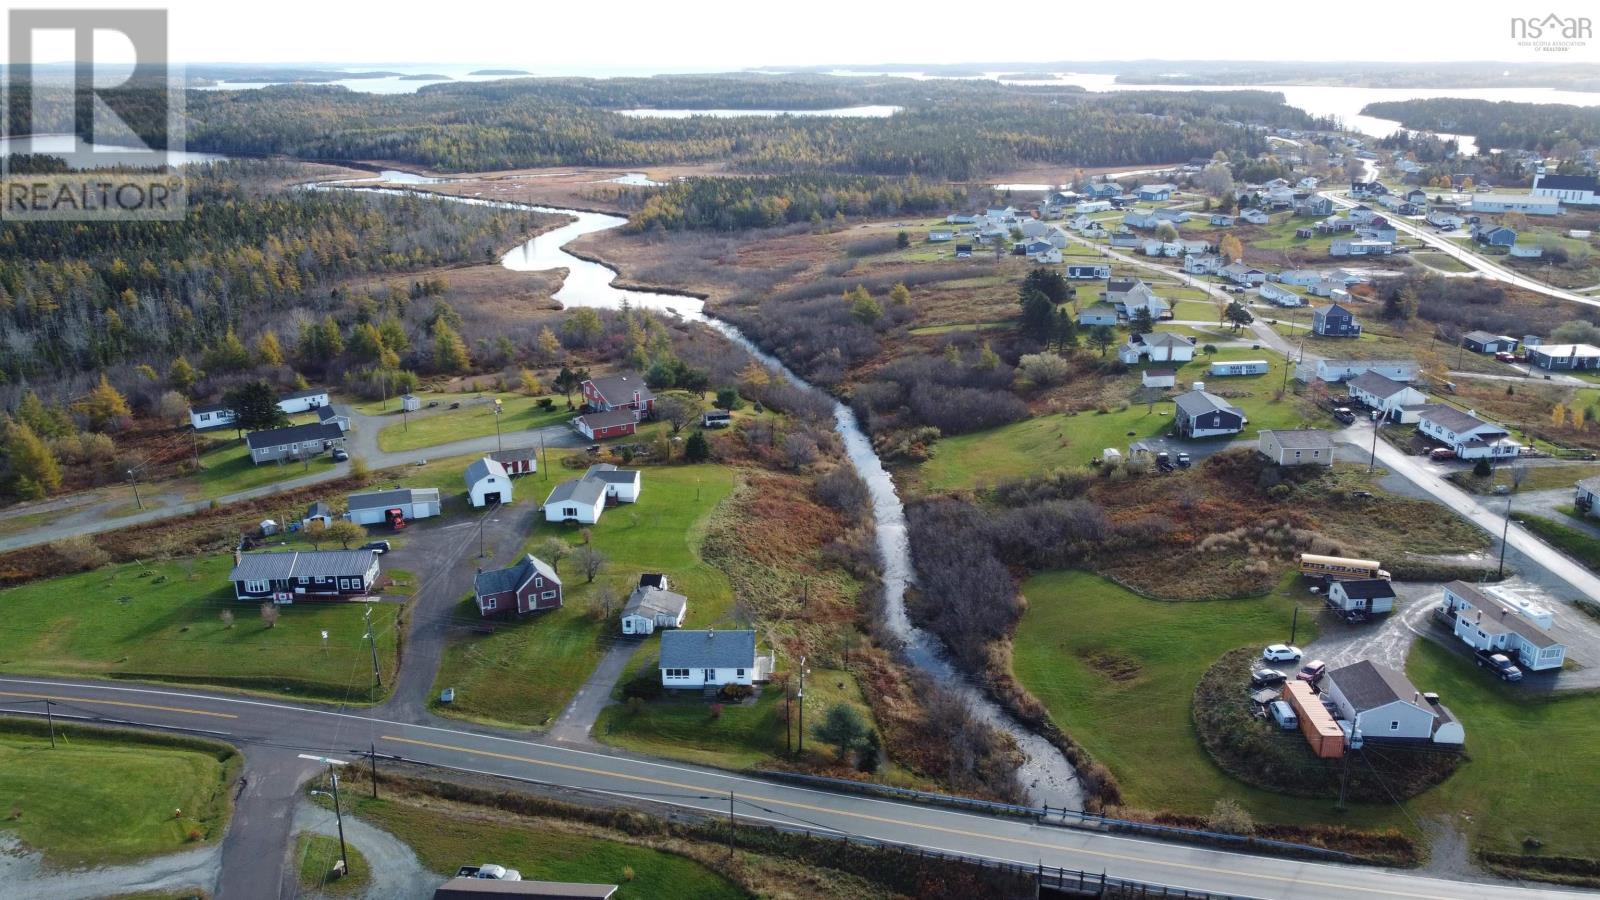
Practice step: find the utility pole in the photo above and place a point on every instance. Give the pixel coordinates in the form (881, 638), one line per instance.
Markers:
(50, 718)
(544, 458)
(372, 758)
(194, 439)
(338, 814)
(1505, 532)
(730, 826)
(1377, 426)
(802, 697)
(1294, 625)
(135, 479)
(372, 641)
(497, 445)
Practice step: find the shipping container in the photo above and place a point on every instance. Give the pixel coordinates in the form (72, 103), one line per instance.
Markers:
(1321, 731)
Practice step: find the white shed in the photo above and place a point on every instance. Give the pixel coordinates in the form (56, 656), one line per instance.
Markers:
(649, 608)
(383, 507)
(622, 485)
(410, 402)
(580, 500)
(487, 483)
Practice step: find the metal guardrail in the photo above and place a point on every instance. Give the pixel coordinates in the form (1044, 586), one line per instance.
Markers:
(1049, 815)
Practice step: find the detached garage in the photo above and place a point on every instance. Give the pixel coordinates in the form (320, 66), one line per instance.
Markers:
(487, 483)
(383, 507)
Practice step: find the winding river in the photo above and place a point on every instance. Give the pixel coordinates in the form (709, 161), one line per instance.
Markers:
(1046, 775)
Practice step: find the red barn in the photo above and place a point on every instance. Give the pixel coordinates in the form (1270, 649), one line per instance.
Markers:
(624, 390)
(520, 461)
(598, 426)
(525, 587)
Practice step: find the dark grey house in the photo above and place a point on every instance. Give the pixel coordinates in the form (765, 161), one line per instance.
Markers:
(293, 443)
(304, 575)
(1203, 414)
(1334, 321)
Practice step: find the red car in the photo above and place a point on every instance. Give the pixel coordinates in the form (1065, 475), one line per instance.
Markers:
(1312, 672)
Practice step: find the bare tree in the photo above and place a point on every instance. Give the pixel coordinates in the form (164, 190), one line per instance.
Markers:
(590, 561)
(269, 614)
(553, 551)
(800, 449)
(227, 618)
(677, 411)
(605, 601)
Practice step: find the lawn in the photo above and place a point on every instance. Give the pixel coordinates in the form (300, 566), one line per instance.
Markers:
(660, 533)
(1574, 543)
(1058, 440)
(226, 468)
(317, 854)
(475, 418)
(162, 622)
(543, 851)
(1533, 763)
(101, 797)
(1118, 672)
(1534, 478)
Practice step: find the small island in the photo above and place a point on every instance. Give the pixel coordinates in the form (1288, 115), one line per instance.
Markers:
(426, 78)
(499, 72)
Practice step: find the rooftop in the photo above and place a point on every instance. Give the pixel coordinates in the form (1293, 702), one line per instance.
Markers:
(1302, 439)
(301, 564)
(293, 434)
(1381, 386)
(708, 649)
(495, 581)
(397, 497)
(1368, 685)
(619, 388)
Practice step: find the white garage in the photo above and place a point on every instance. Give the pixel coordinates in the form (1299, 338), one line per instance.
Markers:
(487, 483)
(382, 507)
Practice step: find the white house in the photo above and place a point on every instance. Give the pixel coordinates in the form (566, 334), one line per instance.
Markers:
(580, 500)
(387, 507)
(1486, 621)
(652, 606)
(1239, 273)
(1203, 264)
(1384, 394)
(1279, 296)
(1362, 595)
(1157, 347)
(1469, 436)
(213, 415)
(1300, 277)
(1332, 370)
(1097, 314)
(1578, 190)
(1092, 206)
(1255, 216)
(1528, 204)
(1296, 447)
(698, 659)
(1159, 378)
(210, 415)
(487, 483)
(622, 485)
(1383, 705)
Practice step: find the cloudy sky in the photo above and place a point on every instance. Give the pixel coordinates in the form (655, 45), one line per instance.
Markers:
(709, 35)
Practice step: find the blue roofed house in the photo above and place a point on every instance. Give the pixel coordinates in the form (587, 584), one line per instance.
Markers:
(1155, 192)
(1498, 236)
(704, 658)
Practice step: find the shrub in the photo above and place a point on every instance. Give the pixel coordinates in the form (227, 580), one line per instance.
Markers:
(736, 692)
(1228, 817)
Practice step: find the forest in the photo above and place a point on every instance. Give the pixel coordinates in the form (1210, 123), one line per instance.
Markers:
(1500, 126)
(946, 130)
(730, 204)
(79, 296)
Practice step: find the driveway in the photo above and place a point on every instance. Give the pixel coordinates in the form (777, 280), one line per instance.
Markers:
(396, 874)
(577, 720)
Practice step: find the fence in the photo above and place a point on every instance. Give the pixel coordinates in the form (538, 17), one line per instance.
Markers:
(1071, 818)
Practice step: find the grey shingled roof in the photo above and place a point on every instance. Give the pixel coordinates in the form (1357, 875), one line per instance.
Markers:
(610, 474)
(398, 497)
(1367, 588)
(294, 434)
(586, 491)
(515, 454)
(618, 389)
(708, 649)
(651, 602)
(308, 392)
(329, 411)
(483, 468)
(1368, 685)
(1302, 439)
(495, 581)
(1166, 339)
(1198, 403)
(301, 564)
(1451, 418)
(1378, 385)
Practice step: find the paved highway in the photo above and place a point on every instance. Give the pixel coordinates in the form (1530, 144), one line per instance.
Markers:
(266, 728)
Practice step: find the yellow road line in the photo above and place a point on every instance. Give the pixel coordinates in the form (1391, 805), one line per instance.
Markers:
(175, 709)
(1336, 886)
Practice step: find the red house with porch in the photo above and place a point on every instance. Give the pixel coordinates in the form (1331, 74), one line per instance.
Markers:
(526, 587)
(624, 390)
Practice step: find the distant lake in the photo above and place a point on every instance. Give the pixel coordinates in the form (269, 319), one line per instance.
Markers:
(105, 154)
(849, 112)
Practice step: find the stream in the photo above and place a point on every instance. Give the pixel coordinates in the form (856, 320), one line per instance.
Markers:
(1045, 775)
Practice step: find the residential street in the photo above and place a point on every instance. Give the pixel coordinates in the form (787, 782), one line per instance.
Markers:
(363, 443)
(271, 728)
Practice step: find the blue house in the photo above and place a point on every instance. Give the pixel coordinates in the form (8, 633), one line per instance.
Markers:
(1334, 321)
(1157, 192)
(1500, 236)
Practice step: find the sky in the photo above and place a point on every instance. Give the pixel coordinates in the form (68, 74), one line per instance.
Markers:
(719, 35)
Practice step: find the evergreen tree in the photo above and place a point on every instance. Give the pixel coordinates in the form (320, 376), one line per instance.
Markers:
(449, 351)
(697, 449)
(37, 472)
(268, 351)
(182, 376)
(229, 355)
(1038, 314)
(255, 407)
(105, 406)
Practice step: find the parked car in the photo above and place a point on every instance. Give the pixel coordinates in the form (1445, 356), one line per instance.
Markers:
(432, 404)
(1261, 678)
(1344, 415)
(1505, 357)
(1312, 672)
(378, 547)
(1281, 653)
(1498, 663)
(1442, 453)
(1183, 460)
(339, 454)
(1283, 714)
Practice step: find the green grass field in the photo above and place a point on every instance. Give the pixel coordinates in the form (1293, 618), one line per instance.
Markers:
(317, 854)
(475, 418)
(1118, 671)
(660, 533)
(162, 622)
(100, 798)
(226, 468)
(1574, 543)
(1057, 441)
(740, 737)
(443, 842)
